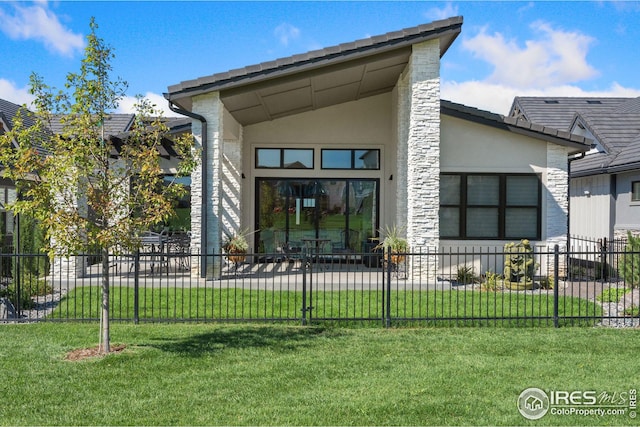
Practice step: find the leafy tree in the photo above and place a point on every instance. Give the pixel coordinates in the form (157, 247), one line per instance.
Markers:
(89, 191)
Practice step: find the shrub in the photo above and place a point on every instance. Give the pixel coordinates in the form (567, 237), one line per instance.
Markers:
(633, 311)
(29, 287)
(492, 281)
(466, 274)
(629, 262)
(612, 294)
(546, 282)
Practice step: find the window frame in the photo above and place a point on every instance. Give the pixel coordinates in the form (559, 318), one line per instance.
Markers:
(635, 199)
(353, 152)
(463, 206)
(282, 155)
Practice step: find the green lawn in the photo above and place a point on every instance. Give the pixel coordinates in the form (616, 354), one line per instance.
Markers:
(256, 304)
(195, 374)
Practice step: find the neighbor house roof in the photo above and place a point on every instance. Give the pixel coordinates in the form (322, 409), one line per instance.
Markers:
(113, 125)
(517, 125)
(613, 122)
(318, 78)
(8, 113)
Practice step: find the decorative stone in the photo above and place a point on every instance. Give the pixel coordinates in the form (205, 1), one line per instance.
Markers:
(7, 310)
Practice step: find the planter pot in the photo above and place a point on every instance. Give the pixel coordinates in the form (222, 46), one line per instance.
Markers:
(236, 258)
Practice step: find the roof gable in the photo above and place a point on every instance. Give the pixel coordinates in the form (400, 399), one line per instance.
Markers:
(613, 122)
(517, 125)
(316, 79)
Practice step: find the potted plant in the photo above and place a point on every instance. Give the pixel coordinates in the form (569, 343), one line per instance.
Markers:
(236, 245)
(394, 242)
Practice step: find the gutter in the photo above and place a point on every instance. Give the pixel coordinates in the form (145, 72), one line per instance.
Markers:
(205, 172)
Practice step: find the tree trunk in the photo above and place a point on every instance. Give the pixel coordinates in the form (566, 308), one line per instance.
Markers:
(104, 324)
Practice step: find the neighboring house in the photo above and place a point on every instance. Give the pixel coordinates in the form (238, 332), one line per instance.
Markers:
(337, 143)
(605, 183)
(8, 194)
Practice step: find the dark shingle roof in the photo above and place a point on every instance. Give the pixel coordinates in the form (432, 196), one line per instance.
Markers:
(8, 112)
(114, 125)
(614, 122)
(514, 124)
(322, 57)
(558, 112)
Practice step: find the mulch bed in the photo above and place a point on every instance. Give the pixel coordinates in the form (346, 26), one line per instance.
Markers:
(86, 353)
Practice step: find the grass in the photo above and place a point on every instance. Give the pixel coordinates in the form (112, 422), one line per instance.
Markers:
(613, 294)
(195, 374)
(255, 304)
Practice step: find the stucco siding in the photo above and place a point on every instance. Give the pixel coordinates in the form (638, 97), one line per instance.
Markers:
(472, 147)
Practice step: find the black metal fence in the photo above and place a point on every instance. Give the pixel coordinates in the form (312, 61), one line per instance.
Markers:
(469, 286)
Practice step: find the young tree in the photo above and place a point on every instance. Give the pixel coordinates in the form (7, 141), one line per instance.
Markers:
(91, 192)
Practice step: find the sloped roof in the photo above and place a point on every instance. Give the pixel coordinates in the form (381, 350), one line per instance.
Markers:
(614, 122)
(113, 125)
(8, 112)
(516, 125)
(316, 79)
(559, 112)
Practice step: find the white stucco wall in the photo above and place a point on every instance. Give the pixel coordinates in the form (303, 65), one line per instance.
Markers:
(471, 147)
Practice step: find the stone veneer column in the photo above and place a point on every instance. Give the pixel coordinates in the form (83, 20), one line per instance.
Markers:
(65, 267)
(207, 188)
(557, 202)
(232, 187)
(423, 154)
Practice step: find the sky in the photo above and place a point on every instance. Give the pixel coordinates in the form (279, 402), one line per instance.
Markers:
(505, 49)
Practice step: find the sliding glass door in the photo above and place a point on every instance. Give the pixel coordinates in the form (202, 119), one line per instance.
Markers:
(341, 212)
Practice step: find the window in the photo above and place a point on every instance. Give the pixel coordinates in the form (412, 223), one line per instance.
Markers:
(284, 158)
(635, 191)
(350, 159)
(490, 206)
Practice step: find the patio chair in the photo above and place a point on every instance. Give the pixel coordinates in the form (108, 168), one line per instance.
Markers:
(292, 253)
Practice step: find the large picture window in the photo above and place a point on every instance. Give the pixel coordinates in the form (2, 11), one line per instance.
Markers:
(490, 206)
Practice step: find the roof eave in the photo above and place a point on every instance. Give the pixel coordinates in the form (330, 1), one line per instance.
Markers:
(336, 56)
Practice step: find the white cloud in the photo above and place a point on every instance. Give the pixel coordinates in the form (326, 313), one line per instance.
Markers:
(554, 57)
(9, 92)
(497, 97)
(436, 13)
(286, 32)
(127, 104)
(38, 22)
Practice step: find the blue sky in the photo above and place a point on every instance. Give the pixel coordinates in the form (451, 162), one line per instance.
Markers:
(555, 48)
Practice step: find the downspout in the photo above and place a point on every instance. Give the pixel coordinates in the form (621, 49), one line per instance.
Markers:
(205, 171)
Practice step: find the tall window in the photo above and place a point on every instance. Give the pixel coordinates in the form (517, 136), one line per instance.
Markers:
(490, 206)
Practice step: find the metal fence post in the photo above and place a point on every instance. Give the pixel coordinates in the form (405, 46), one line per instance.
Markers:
(388, 274)
(556, 291)
(304, 289)
(136, 287)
